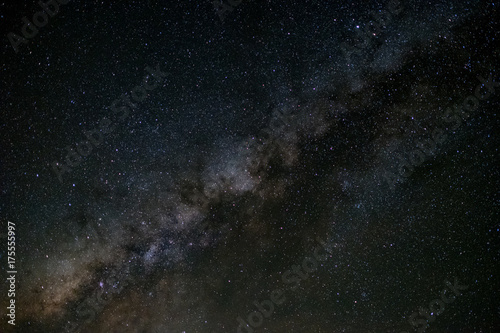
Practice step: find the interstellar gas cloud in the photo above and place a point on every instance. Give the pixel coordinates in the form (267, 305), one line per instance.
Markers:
(250, 166)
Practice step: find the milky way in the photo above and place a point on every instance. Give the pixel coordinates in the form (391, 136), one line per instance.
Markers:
(366, 129)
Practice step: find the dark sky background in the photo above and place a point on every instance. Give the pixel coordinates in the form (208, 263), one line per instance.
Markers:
(260, 137)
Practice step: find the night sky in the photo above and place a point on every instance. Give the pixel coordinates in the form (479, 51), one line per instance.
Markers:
(251, 166)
